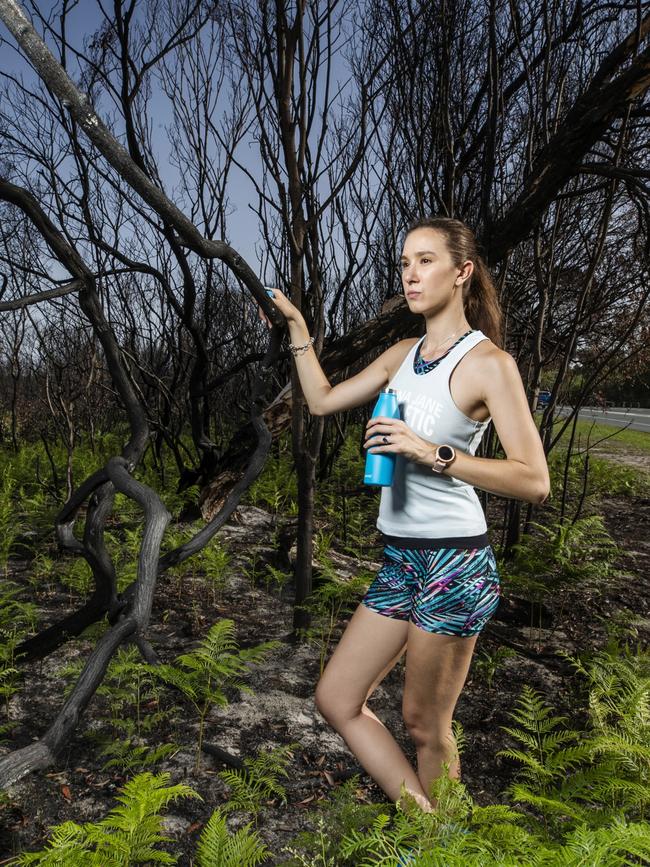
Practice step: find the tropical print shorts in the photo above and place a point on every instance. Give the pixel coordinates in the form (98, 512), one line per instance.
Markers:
(451, 590)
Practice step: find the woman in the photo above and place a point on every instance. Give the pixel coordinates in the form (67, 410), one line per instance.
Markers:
(439, 584)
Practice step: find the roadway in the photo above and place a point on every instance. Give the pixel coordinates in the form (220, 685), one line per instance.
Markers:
(614, 416)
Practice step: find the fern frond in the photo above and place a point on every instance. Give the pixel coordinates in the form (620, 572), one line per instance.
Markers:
(532, 767)
(623, 744)
(494, 813)
(131, 830)
(130, 756)
(218, 847)
(459, 735)
(564, 761)
(524, 737)
(546, 804)
(145, 795)
(257, 780)
(584, 782)
(67, 847)
(633, 793)
(175, 677)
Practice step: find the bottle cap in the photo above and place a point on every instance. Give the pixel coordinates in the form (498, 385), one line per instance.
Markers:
(389, 391)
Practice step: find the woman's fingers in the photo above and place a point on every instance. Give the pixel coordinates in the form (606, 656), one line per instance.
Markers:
(386, 425)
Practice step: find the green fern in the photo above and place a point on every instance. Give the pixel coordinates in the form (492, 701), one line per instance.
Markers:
(487, 664)
(258, 780)
(276, 487)
(11, 524)
(319, 840)
(599, 775)
(328, 601)
(560, 554)
(339, 815)
(135, 709)
(214, 562)
(17, 618)
(540, 736)
(130, 834)
(218, 848)
(76, 576)
(43, 568)
(131, 686)
(68, 847)
(216, 664)
(130, 756)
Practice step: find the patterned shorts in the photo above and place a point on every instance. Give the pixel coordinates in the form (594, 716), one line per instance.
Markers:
(449, 590)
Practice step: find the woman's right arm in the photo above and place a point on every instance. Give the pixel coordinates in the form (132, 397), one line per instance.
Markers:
(323, 398)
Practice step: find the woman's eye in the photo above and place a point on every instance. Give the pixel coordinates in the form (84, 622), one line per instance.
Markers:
(425, 260)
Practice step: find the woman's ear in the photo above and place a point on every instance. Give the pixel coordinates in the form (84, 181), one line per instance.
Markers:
(467, 270)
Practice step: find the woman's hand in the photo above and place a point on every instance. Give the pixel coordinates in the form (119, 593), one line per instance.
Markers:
(286, 308)
(401, 440)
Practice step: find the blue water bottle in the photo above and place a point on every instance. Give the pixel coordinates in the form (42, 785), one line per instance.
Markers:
(381, 466)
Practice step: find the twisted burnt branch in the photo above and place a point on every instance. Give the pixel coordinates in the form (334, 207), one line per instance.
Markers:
(131, 624)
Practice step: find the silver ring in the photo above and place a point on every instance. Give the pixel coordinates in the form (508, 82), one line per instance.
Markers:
(385, 440)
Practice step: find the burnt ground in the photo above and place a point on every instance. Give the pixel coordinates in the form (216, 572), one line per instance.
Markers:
(281, 709)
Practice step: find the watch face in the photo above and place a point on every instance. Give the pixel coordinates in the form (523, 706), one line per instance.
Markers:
(445, 453)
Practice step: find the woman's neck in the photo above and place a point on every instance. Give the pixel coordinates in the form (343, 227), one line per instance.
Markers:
(440, 337)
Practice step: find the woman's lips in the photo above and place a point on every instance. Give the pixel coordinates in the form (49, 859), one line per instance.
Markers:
(413, 294)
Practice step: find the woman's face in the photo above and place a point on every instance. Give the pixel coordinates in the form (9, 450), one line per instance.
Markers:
(428, 272)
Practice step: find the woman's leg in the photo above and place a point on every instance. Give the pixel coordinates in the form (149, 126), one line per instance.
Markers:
(436, 668)
(370, 646)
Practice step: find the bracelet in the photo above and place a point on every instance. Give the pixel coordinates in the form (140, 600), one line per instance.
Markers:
(298, 350)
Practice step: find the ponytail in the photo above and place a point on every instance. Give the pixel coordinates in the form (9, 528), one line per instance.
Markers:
(480, 298)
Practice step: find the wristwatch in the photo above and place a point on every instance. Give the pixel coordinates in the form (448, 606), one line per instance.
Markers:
(444, 456)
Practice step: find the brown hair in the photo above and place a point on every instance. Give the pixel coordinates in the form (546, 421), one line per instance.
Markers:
(480, 299)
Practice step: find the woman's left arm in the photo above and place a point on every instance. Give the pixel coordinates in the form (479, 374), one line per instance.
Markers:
(523, 474)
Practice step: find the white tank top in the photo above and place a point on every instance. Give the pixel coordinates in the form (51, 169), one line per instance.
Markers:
(421, 503)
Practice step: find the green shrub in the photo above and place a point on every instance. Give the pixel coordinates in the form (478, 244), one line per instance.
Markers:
(336, 819)
(486, 664)
(598, 776)
(605, 477)
(129, 755)
(214, 562)
(580, 797)
(136, 708)
(76, 575)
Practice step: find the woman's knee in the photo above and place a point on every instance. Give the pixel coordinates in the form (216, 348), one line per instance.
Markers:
(428, 729)
(333, 704)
